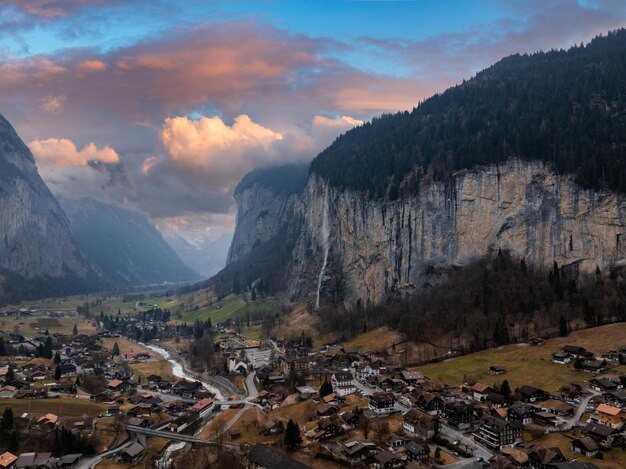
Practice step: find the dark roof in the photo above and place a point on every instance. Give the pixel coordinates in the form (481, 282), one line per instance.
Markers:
(266, 457)
(599, 429)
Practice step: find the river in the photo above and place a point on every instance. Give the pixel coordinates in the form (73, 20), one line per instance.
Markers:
(179, 371)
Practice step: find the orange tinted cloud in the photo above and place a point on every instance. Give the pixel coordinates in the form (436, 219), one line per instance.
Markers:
(63, 152)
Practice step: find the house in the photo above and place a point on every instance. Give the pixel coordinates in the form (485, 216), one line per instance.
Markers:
(357, 451)
(577, 352)
(365, 370)
(7, 460)
(531, 394)
(132, 454)
(48, 420)
(593, 366)
(496, 370)
(116, 385)
(540, 457)
(382, 403)
(560, 408)
(429, 402)
(28, 460)
(343, 383)
(521, 412)
(326, 428)
(416, 452)
(307, 392)
(616, 398)
(139, 422)
(561, 358)
(349, 418)
(396, 441)
(480, 391)
(264, 457)
(604, 435)
(585, 446)
(604, 384)
(495, 433)
(204, 406)
(610, 416)
(418, 423)
(412, 377)
(8, 392)
(234, 433)
(461, 414)
(385, 459)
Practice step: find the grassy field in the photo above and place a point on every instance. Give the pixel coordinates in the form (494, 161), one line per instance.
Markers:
(163, 368)
(526, 364)
(66, 407)
(33, 326)
(231, 308)
(375, 339)
(125, 345)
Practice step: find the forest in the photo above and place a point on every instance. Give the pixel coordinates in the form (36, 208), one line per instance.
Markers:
(494, 301)
(566, 108)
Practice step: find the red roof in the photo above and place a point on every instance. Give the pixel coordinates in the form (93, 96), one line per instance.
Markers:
(203, 404)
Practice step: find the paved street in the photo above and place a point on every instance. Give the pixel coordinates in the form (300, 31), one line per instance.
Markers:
(454, 435)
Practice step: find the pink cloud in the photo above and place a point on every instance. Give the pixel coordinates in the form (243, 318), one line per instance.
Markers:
(63, 152)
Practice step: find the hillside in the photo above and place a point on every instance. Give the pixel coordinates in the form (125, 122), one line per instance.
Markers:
(123, 244)
(37, 254)
(564, 108)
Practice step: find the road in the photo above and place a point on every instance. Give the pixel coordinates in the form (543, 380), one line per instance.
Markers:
(253, 393)
(572, 422)
(89, 463)
(454, 435)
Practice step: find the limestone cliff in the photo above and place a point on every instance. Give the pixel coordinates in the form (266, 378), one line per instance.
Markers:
(381, 248)
(36, 247)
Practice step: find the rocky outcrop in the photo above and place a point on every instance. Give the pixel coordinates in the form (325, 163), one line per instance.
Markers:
(381, 248)
(35, 240)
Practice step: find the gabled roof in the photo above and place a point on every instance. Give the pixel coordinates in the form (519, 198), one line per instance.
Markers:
(6, 459)
(609, 410)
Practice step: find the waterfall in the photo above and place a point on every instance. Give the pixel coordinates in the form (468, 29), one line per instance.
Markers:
(325, 246)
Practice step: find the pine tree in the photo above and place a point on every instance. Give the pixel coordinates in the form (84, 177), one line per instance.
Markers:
(326, 388)
(57, 358)
(57, 373)
(563, 328)
(75, 330)
(292, 435)
(505, 389)
(116, 350)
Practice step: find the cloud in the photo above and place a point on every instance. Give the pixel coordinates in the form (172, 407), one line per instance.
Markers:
(52, 9)
(63, 152)
(52, 104)
(210, 143)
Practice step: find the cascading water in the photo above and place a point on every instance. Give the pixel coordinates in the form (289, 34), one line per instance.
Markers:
(325, 246)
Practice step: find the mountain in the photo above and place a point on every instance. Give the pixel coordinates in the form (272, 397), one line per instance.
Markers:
(37, 254)
(206, 258)
(123, 244)
(529, 156)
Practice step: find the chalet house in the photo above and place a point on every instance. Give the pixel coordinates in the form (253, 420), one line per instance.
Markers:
(545, 419)
(350, 419)
(326, 410)
(429, 402)
(521, 412)
(560, 408)
(593, 366)
(418, 423)
(461, 414)
(561, 358)
(616, 398)
(235, 365)
(610, 416)
(540, 457)
(531, 394)
(7, 392)
(496, 370)
(604, 384)
(116, 385)
(604, 435)
(204, 406)
(385, 459)
(417, 452)
(412, 377)
(307, 392)
(575, 351)
(480, 391)
(571, 391)
(264, 457)
(396, 441)
(363, 371)
(327, 428)
(132, 454)
(382, 403)
(48, 421)
(495, 433)
(139, 422)
(342, 383)
(357, 451)
(140, 410)
(185, 389)
(585, 446)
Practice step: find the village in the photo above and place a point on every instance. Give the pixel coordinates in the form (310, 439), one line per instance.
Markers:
(283, 403)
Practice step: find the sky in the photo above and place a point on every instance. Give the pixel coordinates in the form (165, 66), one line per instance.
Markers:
(162, 106)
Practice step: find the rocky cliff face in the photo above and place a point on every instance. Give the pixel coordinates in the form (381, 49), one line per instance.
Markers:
(352, 247)
(35, 240)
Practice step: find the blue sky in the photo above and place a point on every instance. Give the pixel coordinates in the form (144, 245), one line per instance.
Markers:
(163, 106)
